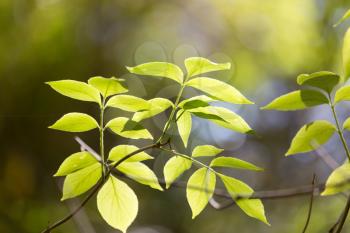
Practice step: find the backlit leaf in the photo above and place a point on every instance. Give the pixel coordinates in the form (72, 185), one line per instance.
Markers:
(107, 86)
(233, 163)
(128, 128)
(120, 151)
(117, 204)
(324, 79)
(184, 125)
(311, 136)
(75, 122)
(338, 181)
(200, 65)
(75, 162)
(175, 166)
(195, 102)
(128, 103)
(206, 150)
(342, 94)
(346, 124)
(346, 55)
(200, 188)
(156, 106)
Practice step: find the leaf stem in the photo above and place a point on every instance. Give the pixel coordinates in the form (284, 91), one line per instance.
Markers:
(102, 150)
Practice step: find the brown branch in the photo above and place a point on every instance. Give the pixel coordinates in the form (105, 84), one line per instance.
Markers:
(310, 206)
(338, 226)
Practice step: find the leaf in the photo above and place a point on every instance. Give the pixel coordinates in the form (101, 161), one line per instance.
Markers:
(219, 90)
(120, 151)
(342, 94)
(75, 162)
(311, 136)
(184, 125)
(117, 204)
(346, 124)
(128, 103)
(81, 181)
(200, 189)
(338, 181)
(174, 167)
(76, 90)
(324, 79)
(140, 173)
(157, 105)
(223, 117)
(107, 86)
(206, 150)
(252, 207)
(128, 128)
(234, 163)
(159, 69)
(346, 55)
(195, 102)
(297, 100)
(200, 65)
(75, 122)
(345, 17)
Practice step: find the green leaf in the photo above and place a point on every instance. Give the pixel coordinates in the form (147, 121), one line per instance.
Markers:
(81, 181)
(346, 124)
(157, 105)
(107, 86)
(75, 162)
(120, 151)
(175, 166)
(117, 204)
(219, 90)
(200, 188)
(252, 207)
(76, 90)
(75, 122)
(297, 100)
(234, 163)
(159, 69)
(128, 128)
(345, 17)
(324, 79)
(206, 150)
(342, 94)
(346, 55)
(311, 136)
(223, 117)
(128, 103)
(184, 125)
(338, 181)
(195, 102)
(200, 65)
(140, 173)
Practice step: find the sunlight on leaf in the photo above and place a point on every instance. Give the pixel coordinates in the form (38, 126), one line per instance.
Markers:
(342, 94)
(230, 162)
(184, 125)
(128, 128)
(120, 151)
(107, 86)
(75, 122)
(75, 162)
(200, 65)
(324, 79)
(206, 150)
(346, 55)
(157, 105)
(128, 103)
(174, 168)
(338, 181)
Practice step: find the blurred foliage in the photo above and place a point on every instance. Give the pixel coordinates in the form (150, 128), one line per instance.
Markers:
(269, 42)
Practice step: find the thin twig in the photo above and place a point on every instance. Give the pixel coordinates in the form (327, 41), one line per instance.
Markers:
(337, 228)
(310, 206)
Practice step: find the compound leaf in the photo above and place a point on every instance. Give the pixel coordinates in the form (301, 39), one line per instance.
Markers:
(219, 90)
(200, 188)
(206, 150)
(324, 79)
(195, 102)
(234, 163)
(156, 106)
(117, 204)
(297, 100)
(128, 128)
(200, 65)
(311, 136)
(174, 167)
(76, 90)
(75, 162)
(128, 103)
(75, 122)
(107, 86)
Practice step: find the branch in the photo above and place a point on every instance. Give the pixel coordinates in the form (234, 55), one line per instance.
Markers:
(310, 206)
(338, 226)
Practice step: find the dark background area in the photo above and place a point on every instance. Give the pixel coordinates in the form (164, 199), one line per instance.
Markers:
(268, 43)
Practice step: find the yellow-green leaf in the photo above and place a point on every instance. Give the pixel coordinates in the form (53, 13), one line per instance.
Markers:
(159, 69)
(324, 79)
(219, 90)
(117, 204)
(345, 17)
(76, 90)
(75, 122)
(200, 65)
(342, 94)
(346, 54)
(297, 100)
(184, 125)
(107, 86)
(128, 128)
(156, 106)
(128, 103)
(75, 162)
(200, 188)
(206, 150)
(252, 207)
(311, 136)
(120, 151)
(81, 181)
(338, 181)
(195, 102)
(174, 167)
(140, 173)
(234, 163)
(346, 124)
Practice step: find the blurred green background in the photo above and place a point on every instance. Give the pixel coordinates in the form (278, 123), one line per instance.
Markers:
(268, 43)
